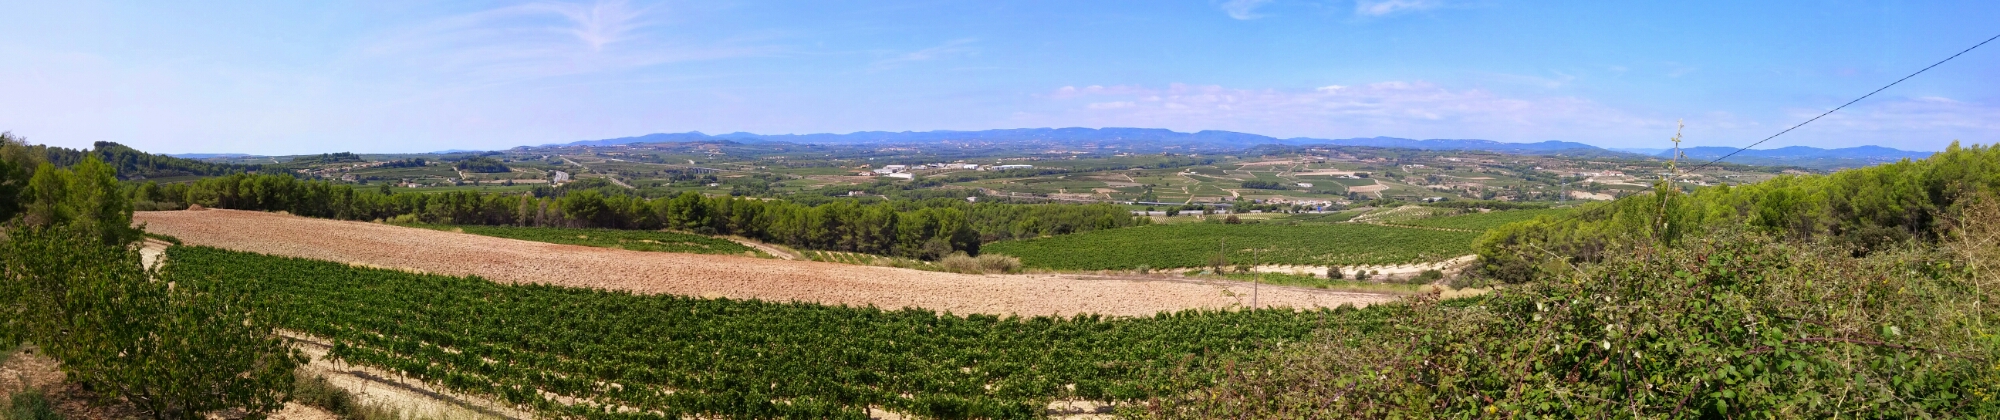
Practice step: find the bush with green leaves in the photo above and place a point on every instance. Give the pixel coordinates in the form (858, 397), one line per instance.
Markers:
(959, 263)
(72, 284)
(1868, 209)
(1729, 325)
(30, 404)
(996, 263)
(173, 350)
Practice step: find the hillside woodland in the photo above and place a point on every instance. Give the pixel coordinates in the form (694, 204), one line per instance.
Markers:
(132, 164)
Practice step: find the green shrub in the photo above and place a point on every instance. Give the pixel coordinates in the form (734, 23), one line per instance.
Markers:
(960, 263)
(1731, 325)
(996, 263)
(30, 404)
(316, 391)
(1867, 209)
(177, 350)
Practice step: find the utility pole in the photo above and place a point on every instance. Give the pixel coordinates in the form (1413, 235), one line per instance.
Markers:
(1255, 282)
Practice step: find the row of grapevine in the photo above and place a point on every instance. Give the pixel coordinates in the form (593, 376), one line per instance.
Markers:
(1197, 244)
(1482, 221)
(842, 257)
(636, 240)
(677, 356)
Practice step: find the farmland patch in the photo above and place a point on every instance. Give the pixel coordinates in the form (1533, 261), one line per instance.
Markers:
(1198, 245)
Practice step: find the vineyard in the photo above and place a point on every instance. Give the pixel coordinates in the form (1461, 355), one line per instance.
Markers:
(1482, 221)
(855, 258)
(570, 352)
(1197, 244)
(636, 240)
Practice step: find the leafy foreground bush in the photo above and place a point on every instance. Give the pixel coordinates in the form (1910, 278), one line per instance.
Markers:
(70, 282)
(1728, 325)
(1869, 208)
(173, 351)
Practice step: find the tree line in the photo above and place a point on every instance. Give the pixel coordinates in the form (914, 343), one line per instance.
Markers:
(927, 229)
(130, 163)
(482, 164)
(1867, 209)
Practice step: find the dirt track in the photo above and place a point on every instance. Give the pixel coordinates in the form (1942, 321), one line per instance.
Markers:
(712, 276)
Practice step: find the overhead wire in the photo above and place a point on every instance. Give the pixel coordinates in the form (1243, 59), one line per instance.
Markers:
(1814, 118)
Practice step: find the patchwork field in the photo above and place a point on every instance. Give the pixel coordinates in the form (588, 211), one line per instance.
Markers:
(1197, 244)
(1482, 221)
(713, 276)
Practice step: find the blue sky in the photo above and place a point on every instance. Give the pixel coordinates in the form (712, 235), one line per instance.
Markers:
(404, 76)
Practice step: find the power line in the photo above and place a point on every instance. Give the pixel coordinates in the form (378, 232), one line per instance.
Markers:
(1828, 112)
(1816, 118)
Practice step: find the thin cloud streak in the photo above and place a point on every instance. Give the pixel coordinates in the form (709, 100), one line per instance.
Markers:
(1385, 108)
(1389, 7)
(1243, 9)
(951, 48)
(535, 41)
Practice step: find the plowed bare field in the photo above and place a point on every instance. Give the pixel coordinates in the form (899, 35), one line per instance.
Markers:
(510, 260)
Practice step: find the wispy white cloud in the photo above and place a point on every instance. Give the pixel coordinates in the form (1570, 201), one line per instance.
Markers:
(538, 40)
(1243, 9)
(1675, 69)
(1385, 108)
(1932, 114)
(1389, 7)
(956, 47)
(1558, 80)
(1427, 110)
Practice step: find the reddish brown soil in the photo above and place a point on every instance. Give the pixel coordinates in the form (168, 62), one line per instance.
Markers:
(510, 260)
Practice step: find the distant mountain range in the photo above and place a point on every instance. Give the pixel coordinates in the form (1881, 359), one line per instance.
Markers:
(1810, 157)
(1154, 139)
(1137, 138)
